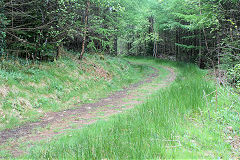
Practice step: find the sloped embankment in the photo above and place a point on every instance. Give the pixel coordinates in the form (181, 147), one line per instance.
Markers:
(28, 91)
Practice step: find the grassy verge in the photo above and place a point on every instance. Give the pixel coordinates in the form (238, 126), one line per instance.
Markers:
(180, 121)
(28, 90)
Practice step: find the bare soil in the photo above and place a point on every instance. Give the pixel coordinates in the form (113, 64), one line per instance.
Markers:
(55, 123)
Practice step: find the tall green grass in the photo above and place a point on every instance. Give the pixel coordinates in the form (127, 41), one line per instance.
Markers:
(163, 127)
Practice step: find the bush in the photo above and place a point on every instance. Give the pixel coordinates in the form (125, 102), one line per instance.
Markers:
(234, 76)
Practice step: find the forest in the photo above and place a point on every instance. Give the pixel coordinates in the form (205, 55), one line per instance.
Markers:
(173, 64)
(199, 31)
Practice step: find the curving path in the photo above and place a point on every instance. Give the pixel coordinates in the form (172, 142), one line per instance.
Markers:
(55, 123)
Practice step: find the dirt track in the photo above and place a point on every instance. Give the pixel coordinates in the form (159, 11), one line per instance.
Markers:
(84, 114)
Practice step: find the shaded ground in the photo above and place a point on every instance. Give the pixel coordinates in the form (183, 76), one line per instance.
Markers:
(55, 123)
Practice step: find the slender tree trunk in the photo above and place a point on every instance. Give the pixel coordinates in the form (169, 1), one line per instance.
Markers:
(156, 49)
(177, 48)
(12, 12)
(115, 45)
(204, 32)
(218, 49)
(59, 48)
(200, 49)
(85, 30)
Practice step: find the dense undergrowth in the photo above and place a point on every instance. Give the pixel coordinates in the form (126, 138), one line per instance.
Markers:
(181, 121)
(28, 90)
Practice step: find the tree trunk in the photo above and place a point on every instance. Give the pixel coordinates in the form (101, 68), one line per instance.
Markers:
(200, 49)
(59, 48)
(85, 30)
(115, 45)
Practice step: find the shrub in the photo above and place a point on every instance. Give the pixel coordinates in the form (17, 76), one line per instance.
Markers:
(234, 76)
